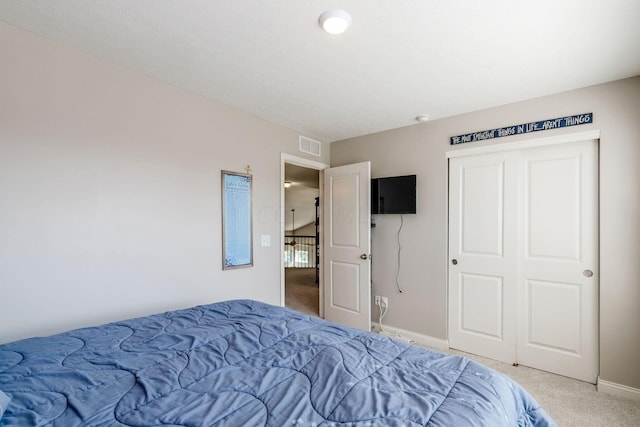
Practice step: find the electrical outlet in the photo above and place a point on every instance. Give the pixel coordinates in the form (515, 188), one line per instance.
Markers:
(376, 300)
(384, 301)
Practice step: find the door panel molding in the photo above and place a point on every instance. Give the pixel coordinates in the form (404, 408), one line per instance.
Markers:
(487, 291)
(489, 239)
(345, 296)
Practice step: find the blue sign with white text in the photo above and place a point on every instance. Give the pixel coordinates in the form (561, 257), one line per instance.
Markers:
(561, 122)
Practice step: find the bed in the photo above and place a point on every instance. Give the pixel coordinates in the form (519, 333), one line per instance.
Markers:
(246, 363)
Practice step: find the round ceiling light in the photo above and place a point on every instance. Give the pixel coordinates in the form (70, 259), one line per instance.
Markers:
(423, 118)
(335, 21)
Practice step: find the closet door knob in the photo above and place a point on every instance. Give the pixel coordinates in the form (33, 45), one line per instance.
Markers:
(454, 261)
(364, 256)
(587, 273)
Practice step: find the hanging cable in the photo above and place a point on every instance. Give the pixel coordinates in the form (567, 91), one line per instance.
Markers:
(382, 312)
(399, 251)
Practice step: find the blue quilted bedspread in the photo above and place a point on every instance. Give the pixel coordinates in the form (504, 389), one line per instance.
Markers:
(244, 363)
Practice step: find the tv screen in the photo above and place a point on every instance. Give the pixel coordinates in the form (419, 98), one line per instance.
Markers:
(393, 195)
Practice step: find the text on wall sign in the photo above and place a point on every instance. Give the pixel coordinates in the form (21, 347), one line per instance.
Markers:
(561, 122)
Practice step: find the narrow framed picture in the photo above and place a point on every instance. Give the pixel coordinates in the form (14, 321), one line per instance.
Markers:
(237, 223)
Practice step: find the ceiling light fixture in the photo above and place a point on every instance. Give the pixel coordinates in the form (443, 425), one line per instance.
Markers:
(335, 21)
(423, 118)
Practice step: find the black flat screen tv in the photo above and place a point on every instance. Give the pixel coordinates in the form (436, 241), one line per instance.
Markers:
(393, 195)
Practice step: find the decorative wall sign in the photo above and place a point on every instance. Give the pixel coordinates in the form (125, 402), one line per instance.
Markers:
(237, 228)
(578, 119)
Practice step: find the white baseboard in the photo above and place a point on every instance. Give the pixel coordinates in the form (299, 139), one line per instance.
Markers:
(412, 337)
(619, 390)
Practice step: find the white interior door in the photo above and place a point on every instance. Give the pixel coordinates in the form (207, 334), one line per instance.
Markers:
(347, 245)
(523, 234)
(558, 278)
(482, 256)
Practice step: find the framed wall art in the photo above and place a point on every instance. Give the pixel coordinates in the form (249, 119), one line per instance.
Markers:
(237, 224)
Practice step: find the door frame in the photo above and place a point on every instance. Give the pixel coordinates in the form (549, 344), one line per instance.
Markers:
(310, 164)
(508, 146)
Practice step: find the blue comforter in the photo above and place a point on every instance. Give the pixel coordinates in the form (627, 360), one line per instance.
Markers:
(245, 363)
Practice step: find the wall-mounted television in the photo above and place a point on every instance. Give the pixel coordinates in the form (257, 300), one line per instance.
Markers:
(393, 195)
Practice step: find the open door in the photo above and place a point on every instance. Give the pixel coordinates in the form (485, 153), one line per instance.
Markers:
(347, 245)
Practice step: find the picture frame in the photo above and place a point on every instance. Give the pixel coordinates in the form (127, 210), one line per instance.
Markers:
(237, 220)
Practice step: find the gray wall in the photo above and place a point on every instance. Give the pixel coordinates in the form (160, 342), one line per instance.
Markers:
(110, 192)
(421, 149)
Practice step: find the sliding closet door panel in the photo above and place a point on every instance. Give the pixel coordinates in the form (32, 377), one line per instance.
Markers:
(482, 256)
(558, 279)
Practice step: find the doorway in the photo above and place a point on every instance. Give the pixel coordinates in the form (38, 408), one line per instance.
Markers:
(302, 239)
(344, 291)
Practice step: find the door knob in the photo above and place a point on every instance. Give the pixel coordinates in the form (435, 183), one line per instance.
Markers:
(587, 273)
(454, 261)
(364, 256)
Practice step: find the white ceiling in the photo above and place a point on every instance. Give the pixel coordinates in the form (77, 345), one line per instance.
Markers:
(397, 60)
(300, 176)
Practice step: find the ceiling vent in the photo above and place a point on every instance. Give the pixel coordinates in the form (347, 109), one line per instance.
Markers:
(308, 145)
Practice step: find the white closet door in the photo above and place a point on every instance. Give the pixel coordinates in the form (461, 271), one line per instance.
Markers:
(523, 252)
(482, 255)
(558, 277)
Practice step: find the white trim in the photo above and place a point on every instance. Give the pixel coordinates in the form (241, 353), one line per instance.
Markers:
(527, 143)
(411, 337)
(307, 163)
(301, 161)
(618, 390)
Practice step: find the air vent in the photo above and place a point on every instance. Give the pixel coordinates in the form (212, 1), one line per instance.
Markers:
(308, 145)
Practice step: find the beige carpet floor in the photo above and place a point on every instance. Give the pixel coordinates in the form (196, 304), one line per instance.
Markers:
(301, 292)
(569, 402)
